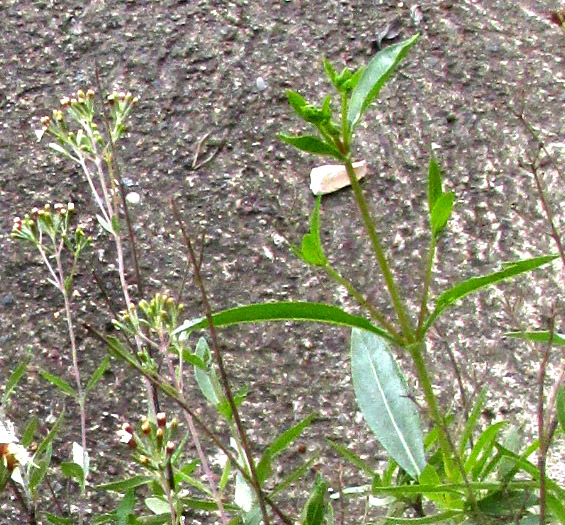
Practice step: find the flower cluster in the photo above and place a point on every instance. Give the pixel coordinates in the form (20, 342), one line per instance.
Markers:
(160, 316)
(79, 108)
(53, 222)
(153, 445)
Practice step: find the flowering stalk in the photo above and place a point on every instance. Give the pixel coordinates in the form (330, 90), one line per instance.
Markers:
(87, 146)
(55, 225)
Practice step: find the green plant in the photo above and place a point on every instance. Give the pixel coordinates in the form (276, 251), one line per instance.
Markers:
(455, 471)
(461, 478)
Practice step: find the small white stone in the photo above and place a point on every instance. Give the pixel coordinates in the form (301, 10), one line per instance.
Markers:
(261, 84)
(133, 197)
(333, 177)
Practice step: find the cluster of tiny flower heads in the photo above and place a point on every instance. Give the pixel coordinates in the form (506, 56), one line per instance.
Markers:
(66, 102)
(155, 436)
(80, 99)
(122, 97)
(42, 213)
(162, 306)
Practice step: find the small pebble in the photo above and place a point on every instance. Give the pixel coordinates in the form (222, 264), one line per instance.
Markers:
(133, 197)
(261, 84)
(7, 300)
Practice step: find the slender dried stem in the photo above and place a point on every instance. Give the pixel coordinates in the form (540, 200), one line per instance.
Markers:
(220, 362)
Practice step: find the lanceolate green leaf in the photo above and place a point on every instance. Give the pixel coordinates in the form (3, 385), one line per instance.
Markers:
(288, 436)
(312, 144)
(540, 336)
(434, 184)
(13, 380)
(374, 77)
(284, 311)
(442, 517)
(126, 484)
(464, 288)
(384, 402)
(97, 375)
(60, 383)
(312, 251)
(206, 379)
(441, 212)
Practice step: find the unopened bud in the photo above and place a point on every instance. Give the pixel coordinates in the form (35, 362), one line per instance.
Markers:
(170, 448)
(161, 419)
(146, 427)
(90, 93)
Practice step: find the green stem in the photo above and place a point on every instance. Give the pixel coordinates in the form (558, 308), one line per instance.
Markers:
(427, 280)
(376, 315)
(399, 307)
(416, 352)
(451, 459)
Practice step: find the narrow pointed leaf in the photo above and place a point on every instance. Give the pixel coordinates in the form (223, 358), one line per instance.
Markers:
(374, 77)
(315, 508)
(556, 506)
(441, 212)
(58, 520)
(296, 474)
(442, 517)
(205, 378)
(39, 468)
(540, 336)
(434, 184)
(283, 311)
(383, 399)
(29, 431)
(352, 457)
(60, 383)
(311, 144)
(288, 436)
(482, 449)
(125, 485)
(97, 375)
(13, 380)
(312, 251)
(447, 298)
(125, 508)
(471, 422)
(50, 436)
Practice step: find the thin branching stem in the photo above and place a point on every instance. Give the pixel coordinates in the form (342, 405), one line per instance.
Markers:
(177, 398)
(221, 368)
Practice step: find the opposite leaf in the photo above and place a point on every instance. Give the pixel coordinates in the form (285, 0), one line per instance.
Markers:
(311, 144)
(383, 399)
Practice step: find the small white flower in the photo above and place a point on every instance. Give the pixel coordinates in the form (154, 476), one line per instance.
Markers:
(124, 435)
